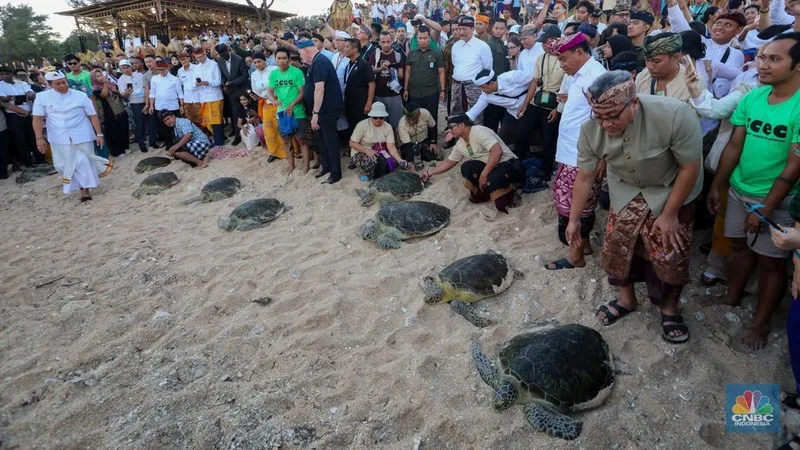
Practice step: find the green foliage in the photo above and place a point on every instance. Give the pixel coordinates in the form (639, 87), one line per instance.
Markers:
(303, 22)
(73, 45)
(25, 35)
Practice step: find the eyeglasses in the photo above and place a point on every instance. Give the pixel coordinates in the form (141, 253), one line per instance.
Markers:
(512, 47)
(601, 120)
(72, 63)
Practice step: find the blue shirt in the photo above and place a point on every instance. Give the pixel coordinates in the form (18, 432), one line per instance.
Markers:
(322, 70)
(185, 126)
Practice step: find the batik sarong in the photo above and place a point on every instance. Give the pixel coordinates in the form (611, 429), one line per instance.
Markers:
(211, 113)
(463, 97)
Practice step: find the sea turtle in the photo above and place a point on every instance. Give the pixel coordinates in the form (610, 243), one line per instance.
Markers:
(397, 185)
(152, 163)
(156, 183)
(468, 280)
(218, 189)
(252, 214)
(396, 221)
(552, 371)
(34, 173)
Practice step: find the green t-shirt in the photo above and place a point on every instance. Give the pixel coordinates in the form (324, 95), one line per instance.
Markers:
(287, 86)
(771, 131)
(81, 82)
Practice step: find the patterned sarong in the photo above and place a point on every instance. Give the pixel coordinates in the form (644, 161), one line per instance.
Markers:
(211, 113)
(463, 97)
(191, 111)
(562, 191)
(269, 115)
(632, 254)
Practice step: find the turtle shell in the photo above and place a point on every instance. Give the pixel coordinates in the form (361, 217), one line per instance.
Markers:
(221, 188)
(566, 365)
(162, 179)
(261, 210)
(151, 163)
(483, 274)
(399, 183)
(414, 218)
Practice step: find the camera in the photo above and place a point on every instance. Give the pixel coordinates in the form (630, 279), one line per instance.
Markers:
(416, 22)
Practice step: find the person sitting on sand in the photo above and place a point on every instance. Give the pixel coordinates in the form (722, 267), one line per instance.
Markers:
(192, 145)
(372, 144)
(491, 169)
(654, 176)
(72, 130)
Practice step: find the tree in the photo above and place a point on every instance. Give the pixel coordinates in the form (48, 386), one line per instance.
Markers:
(262, 11)
(73, 43)
(25, 35)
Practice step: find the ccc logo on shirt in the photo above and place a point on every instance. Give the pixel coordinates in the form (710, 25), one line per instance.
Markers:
(284, 83)
(767, 130)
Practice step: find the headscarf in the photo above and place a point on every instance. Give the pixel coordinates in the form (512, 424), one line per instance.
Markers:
(98, 86)
(557, 47)
(662, 44)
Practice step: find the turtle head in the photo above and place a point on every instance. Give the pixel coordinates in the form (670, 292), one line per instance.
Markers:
(367, 196)
(505, 395)
(433, 292)
(224, 223)
(369, 230)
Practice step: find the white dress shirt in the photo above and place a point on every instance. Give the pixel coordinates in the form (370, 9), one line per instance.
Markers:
(723, 73)
(510, 95)
(66, 116)
(209, 72)
(576, 110)
(189, 83)
(259, 81)
(469, 58)
(340, 63)
(378, 11)
(166, 90)
(137, 80)
(17, 88)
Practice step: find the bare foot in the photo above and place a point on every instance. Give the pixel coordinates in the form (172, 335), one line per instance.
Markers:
(202, 165)
(755, 338)
(711, 300)
(289, 171)
(588, 250)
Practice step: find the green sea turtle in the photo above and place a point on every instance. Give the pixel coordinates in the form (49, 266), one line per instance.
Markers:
(397, 185)
(218, 189)
(252, 214)
(152, 163)
(552, 371)
(34, 173)
(396, 221)
(156, 183)
(468, 280)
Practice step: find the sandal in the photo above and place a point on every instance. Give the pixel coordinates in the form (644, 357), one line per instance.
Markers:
(609, 316)
(790, 401)
(708, 279)
(677, 325)
(562, 263)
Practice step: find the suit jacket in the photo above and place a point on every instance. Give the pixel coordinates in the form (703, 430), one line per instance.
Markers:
(238, 76)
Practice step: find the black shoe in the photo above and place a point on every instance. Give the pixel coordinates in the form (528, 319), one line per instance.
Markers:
(143, 150)
(86, 199)
(233, 134)
(271, 158)
(352, 166)
(332, 180)
(321, 174)
(237, 140)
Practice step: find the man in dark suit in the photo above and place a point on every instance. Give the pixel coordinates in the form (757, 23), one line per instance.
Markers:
(235, 82)
(359, 86)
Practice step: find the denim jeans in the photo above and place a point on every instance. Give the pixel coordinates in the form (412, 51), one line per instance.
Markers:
(137, 111)
(152, 127)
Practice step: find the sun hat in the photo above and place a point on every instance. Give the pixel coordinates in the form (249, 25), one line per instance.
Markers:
(378, 110)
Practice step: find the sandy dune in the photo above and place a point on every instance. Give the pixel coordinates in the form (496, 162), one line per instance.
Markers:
(150, 337)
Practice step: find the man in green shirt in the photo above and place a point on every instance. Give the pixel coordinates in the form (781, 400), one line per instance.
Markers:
(286, 85)
(759, 168)
(78, 79)
(424, 74)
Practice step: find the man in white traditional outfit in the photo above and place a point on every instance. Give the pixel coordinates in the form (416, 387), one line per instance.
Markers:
(72, 130)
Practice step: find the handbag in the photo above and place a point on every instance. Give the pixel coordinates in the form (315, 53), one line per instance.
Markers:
(544, 99)
(287, 125)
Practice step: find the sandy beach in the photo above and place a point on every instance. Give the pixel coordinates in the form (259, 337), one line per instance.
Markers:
(131, 324)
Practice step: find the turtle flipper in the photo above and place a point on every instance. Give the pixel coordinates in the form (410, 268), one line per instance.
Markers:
(189, 201)
(518, 275)
(486, 368)
(388, 240)
(546, 418)
(470, 313)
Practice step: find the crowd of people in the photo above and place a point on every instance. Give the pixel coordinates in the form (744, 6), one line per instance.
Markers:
(672, 119)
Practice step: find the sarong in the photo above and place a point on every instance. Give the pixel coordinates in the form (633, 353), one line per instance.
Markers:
(383, 164)
(269, 115)
(211, 113)
(79, 167)
(191, 111)
(562, 191)
(501, 183)
(631, 254)
(463, 97)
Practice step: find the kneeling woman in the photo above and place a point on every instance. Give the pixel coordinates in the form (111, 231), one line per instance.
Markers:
(372, 144)
(192, 144)
(490, 169)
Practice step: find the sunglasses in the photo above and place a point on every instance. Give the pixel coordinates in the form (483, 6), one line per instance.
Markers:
(377, 118)
(73, 63)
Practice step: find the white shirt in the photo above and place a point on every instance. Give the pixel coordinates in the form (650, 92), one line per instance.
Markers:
(189, 83)
(576, 110)
(66, 116)
(377, 11)
(166, 90)
(752, 41)
(340, 63)
(714, 52)
(259, 81)
(469, 58)
(209, 71)
(137, 80)
(357, 13)
(526, 61)
(510, 95)
(17, 88)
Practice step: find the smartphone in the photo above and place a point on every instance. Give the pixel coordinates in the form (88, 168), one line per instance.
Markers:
(687, 60)
(130, 86)
(416, 22)
(197, 80)
(20, 99)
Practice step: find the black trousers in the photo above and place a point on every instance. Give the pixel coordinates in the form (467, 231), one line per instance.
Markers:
(328, 144)
(154, 128)
(233, 102)
(24, 150)
(493, 116)
(4, 159)
(117, 134)
(536, 119)
(516, 131)
(431, 103)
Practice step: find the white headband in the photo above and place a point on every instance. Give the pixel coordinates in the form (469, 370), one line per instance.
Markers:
(484, 80)
(53, 76)
(342, 35)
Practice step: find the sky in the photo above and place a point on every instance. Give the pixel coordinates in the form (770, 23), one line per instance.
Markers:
(64, 25)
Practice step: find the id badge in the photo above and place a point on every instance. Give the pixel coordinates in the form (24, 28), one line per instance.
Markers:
(545, 97)
(430, 65)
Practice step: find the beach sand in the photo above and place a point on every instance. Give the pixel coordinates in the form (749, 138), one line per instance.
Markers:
(150, 336)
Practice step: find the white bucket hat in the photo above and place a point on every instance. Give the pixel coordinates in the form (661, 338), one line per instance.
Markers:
(378, 110)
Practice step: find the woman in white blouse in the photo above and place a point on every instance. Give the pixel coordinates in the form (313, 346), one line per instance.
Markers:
(267, 109)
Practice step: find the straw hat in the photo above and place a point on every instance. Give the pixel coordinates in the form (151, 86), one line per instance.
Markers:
(378, 110)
